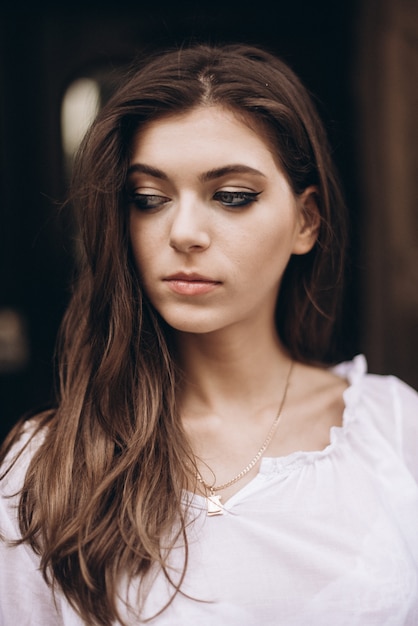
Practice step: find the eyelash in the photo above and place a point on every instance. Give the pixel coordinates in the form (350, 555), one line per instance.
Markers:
(147, 201)
(238, 199)
(230, 199)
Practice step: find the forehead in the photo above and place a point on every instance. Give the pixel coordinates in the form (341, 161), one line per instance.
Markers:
(206, 127)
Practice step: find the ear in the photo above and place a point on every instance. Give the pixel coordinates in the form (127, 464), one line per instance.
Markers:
(309, 221)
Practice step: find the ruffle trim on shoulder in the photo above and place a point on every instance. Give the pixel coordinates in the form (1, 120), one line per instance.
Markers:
(354, 372)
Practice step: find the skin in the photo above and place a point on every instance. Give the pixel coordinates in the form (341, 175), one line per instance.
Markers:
(213, 224)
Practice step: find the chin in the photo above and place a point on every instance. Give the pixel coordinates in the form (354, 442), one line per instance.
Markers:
(193, 324)
(196, 329)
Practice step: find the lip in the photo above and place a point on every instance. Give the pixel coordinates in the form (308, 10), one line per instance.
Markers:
(191, 284)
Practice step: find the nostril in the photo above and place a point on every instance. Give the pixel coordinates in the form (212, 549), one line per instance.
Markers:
(189, 244)
(189, 236)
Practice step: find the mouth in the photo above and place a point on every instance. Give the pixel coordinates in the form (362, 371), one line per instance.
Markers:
(193, 278)
(191, 284)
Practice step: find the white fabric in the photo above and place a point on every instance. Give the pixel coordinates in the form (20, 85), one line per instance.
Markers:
(325, 538)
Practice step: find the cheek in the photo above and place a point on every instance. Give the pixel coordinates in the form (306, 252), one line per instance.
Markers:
(139, 237)
(142, 263)
(273, 245)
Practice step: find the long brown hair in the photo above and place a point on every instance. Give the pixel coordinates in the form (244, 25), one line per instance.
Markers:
(114, 457)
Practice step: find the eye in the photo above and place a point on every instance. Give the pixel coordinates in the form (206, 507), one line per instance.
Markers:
(236, 198)
(147, 201)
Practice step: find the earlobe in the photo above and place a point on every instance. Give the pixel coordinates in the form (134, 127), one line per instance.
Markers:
(309, 221)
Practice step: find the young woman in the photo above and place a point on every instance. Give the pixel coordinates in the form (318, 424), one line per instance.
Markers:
(204, 465)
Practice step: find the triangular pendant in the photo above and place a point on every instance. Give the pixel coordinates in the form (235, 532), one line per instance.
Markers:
(214, 505)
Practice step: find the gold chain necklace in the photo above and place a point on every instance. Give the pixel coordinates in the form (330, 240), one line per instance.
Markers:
(213, 502)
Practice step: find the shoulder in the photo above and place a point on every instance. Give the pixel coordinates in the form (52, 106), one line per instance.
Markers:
(386, 395)
(26, 442)
(384, 406)
(25, 597)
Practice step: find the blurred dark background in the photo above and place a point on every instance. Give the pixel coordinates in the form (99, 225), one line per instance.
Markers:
(360, 59)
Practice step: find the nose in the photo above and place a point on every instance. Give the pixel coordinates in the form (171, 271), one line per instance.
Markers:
(189, 230)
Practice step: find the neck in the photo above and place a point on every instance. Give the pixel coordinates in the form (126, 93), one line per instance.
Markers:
(230, 367)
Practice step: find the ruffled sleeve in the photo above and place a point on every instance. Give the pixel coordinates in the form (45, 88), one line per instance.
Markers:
(392, 407)
(405, 407)
(25, 598)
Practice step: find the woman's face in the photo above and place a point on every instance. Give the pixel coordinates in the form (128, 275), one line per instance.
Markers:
(213, 221)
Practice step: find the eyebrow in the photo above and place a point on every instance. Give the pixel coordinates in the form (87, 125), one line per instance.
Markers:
(141, 168)
(219, 172)
(229, 169)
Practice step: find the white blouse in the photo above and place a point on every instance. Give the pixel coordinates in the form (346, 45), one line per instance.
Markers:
(326, 538)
